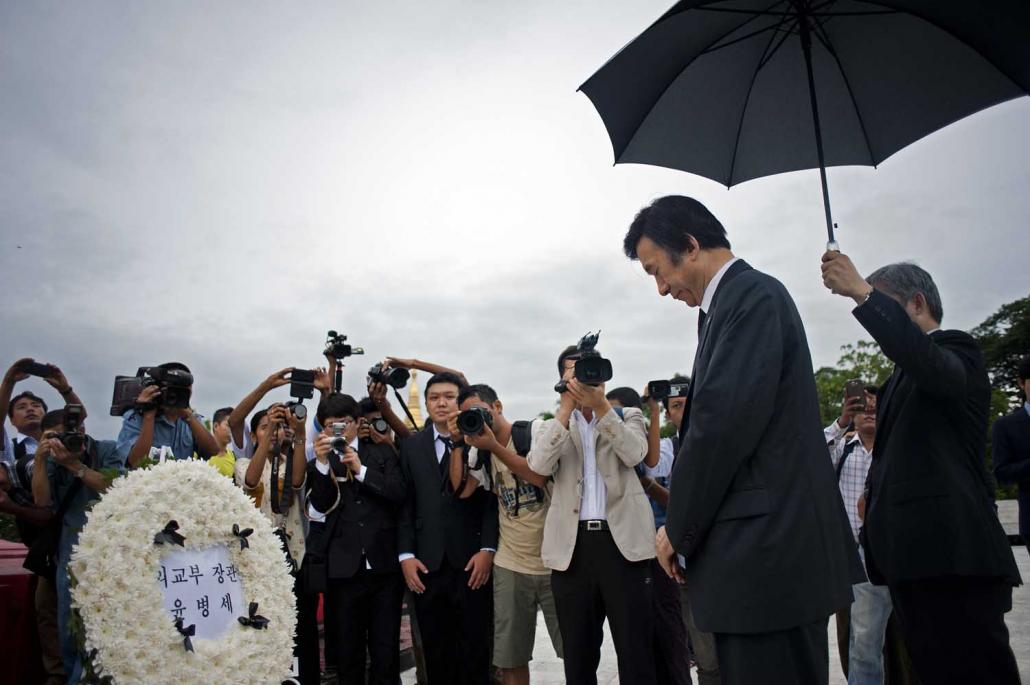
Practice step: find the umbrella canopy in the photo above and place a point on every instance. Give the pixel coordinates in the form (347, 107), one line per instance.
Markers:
(738, 89)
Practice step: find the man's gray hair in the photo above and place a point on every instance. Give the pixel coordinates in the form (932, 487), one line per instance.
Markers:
(904, 280)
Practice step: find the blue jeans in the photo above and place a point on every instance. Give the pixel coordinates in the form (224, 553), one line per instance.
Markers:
(69, 651)
(869, 614)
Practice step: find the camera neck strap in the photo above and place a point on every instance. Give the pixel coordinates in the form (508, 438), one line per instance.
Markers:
(404, 406)
(280, 499)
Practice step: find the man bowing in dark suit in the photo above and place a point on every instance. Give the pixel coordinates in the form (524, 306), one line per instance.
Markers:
(1011, 444)
(754, 507)
(931, 533)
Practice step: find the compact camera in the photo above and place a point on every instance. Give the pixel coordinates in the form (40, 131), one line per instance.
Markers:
(663, 390)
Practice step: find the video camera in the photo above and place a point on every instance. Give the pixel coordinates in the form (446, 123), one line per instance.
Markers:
(591, 368)
(337, 347)
(70, 437)
(175, 385)
(394, 377)
(471, 421)
(663, 390)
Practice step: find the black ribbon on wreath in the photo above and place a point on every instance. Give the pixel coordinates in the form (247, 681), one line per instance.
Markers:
(253, 619)
(170, 535)
(242, 535)
(187, 632)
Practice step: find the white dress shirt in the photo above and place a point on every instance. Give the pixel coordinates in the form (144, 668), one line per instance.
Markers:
(713, 285)
(593, 502)
(663, 469)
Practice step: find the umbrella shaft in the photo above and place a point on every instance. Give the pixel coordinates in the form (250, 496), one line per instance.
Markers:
(806, 48)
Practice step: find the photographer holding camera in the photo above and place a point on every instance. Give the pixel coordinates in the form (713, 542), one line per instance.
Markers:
(356, 484)
(673, 397)
(17, 458)
(153, 424)
(242, 445)
(67, 478)
(26, 410)
(598, 536)
(274, 477)
(521, 580)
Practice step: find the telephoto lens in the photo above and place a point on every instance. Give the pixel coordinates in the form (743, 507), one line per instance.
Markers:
(471, 421)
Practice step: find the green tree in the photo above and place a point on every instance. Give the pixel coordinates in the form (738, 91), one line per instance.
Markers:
(1004, 339)
(862, 360)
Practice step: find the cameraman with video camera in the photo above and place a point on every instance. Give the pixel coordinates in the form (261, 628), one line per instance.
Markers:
(355, 482)
(157, 421)
(17, 458)
(67, 478)
(599, 528)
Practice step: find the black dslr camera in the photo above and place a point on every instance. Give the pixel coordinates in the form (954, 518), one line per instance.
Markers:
(175, 385)
(70, 437)
(471, 421)
(591, 367)
(394, 377)
(337, 347)
(663, 390)
(302, 387)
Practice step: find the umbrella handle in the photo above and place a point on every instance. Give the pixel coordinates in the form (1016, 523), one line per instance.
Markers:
(832, 246)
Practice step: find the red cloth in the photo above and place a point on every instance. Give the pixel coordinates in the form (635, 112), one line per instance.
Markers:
(18, 634)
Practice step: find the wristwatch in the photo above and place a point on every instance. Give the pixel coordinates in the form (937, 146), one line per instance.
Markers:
(81, 471)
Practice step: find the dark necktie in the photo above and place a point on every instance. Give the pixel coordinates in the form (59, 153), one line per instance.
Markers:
(701, 316)
(444, 463)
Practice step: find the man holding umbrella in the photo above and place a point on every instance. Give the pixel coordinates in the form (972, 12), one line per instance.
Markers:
(754, 508)
(931, 534)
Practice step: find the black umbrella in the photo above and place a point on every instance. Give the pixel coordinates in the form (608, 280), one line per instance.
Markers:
(734, 89)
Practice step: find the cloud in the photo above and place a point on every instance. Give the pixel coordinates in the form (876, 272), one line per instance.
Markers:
(222, 184)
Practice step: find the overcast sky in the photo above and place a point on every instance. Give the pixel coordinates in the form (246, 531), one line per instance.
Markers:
(220, 183)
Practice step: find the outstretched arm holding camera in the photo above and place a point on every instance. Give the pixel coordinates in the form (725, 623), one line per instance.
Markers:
(245, 406)
(377, 393)
(419, 365)
(16, 373)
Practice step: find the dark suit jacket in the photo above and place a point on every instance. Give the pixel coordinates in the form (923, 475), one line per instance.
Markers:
(364, 523)
(754, 502)
(435, 525)
(1011, 442)
(930, 509)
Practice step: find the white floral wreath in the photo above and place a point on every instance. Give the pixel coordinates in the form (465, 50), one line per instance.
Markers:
(129, 635)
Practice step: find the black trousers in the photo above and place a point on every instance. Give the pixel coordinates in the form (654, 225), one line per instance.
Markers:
(787, 657)
(455, 623)
(955, 629)
(600, 582)
(672, 666)
(366, 609)
(306, 646)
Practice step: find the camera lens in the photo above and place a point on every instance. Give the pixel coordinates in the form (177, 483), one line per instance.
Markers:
(380, 425)
(72, 442)
(338, 443)
(397, 378)
(472, 421)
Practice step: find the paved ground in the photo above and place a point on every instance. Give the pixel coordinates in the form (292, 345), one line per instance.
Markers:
(546, 668)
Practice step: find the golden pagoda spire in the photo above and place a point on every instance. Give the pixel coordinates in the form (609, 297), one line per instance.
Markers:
(415, 400)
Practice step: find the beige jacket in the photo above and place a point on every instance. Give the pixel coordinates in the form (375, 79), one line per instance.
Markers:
(620, 445)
